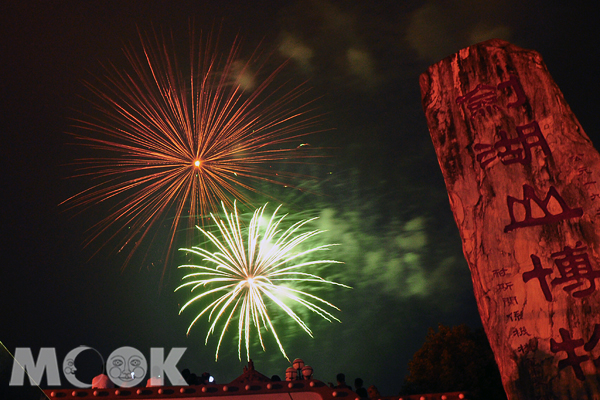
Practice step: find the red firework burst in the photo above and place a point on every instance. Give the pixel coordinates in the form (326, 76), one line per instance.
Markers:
(176, 144)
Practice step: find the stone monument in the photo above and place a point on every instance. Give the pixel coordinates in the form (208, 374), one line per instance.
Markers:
(523, 181)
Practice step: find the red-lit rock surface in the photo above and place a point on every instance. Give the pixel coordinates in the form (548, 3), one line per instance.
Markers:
(523, 181)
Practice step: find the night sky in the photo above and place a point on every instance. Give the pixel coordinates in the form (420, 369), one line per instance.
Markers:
(379, 192)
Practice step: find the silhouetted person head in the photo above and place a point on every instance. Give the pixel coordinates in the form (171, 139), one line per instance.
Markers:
(187, 376)
(341, 381)
(360, 390)
(373, 392)
(204, 378)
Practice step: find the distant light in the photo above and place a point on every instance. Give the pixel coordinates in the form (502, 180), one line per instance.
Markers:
(197, 163)
(211, 379)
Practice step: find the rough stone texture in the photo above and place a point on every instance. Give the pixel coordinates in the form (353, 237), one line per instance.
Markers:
(528, 211)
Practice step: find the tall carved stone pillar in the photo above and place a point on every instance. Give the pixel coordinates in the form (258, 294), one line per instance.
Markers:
(523, 181)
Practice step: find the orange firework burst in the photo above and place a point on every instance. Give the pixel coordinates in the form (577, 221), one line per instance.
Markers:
(179, 143)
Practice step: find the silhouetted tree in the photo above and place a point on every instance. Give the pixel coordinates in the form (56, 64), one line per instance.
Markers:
(455, 359)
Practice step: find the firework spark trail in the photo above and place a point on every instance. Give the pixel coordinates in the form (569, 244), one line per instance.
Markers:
(248, 268)
(182, 145)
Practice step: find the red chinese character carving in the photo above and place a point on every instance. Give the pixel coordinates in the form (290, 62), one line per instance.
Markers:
(514, 150)
(548, 218)
(574, 265)
(518, 315)
(487, 155)
(540, 274)
(499, 272)
(591, 344)
(514, 83)
(522, 331)
(482, 98)
(505, 286)
(515, 316)
(524, 135)
(509, 301)
(569, 345)
(524, 348)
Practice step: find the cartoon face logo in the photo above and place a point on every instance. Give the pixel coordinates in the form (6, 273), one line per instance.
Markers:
(126, 366)
(69, 367)
(116, 368)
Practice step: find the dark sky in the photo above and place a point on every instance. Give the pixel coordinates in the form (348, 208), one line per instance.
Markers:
(380, 195)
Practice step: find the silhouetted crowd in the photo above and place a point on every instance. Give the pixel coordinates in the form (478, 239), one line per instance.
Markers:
(358, 387)
(193, 379)
(102, 381)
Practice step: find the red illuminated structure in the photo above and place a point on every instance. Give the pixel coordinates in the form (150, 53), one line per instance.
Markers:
(251, 385)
